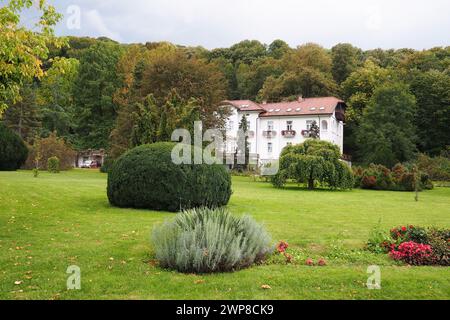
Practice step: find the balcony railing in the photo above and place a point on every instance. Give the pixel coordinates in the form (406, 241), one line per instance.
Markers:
(289, 133)
(269, 134)
(306, 133)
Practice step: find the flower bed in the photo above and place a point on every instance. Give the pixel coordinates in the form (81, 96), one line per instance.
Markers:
(413, 245)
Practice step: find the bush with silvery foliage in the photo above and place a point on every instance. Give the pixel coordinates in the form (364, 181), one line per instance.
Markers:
(206, 240)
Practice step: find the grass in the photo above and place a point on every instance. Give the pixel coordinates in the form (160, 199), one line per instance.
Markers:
(57, 220)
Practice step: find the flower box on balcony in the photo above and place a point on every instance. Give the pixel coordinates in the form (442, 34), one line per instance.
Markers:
(289, 133)
(306, 133)
(269, 134)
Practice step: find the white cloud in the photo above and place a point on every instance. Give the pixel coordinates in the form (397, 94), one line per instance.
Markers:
(92, 20)
(374, 18)
(220, 23)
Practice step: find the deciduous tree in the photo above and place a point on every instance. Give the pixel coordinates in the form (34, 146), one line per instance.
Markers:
(387, 134)
(23, 49)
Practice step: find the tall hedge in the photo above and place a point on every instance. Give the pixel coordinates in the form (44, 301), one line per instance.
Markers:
(146, 177)
(13, 151)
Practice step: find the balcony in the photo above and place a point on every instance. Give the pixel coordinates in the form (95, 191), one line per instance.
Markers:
(306, 133)
(289, 133)
(269, 134)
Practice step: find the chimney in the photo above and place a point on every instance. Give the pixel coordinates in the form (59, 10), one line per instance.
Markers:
(300, 98)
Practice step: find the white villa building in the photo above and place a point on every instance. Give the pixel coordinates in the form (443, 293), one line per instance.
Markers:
(272, 126)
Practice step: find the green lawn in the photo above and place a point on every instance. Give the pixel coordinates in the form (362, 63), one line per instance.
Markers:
(54, 221)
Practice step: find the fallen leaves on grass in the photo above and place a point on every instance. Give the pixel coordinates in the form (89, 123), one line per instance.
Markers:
(266, 287)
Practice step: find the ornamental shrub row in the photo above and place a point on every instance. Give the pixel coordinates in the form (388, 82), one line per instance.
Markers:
(400, 178)
(438, 168)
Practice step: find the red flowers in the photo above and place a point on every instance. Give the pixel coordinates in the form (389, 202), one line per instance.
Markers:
(401, 233)
(309, 262)
(282, 247)
(412, 253)
(322, 262)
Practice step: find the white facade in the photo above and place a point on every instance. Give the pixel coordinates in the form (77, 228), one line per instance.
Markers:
(271, 128)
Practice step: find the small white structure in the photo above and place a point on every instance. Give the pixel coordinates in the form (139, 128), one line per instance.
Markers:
(273, 126)
(97, 156)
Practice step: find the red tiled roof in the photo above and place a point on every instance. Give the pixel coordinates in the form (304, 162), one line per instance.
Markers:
(245, 105)
(308, 106)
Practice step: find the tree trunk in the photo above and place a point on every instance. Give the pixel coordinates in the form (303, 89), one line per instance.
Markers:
(311, 184)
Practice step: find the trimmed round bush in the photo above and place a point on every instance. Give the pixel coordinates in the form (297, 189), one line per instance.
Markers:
(53, 165)
(13, 151)
(210, 240)
(145, 177)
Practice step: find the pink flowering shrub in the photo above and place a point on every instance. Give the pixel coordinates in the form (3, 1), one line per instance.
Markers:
(413, 253)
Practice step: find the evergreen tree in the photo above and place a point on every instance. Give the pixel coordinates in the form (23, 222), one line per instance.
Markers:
(144, 129)
(23, 117)
(314, 131)
(242, 144)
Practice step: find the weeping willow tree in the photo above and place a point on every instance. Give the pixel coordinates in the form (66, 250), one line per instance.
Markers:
(313, 161)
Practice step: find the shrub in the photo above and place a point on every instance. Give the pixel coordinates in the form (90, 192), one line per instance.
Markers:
(210, 240)
(369, 182)
(107, 164)
(13, 151)
(413, 253)
(439, 240)
(379, 241)
(52, 146)
(358, 173)
(377, 177)
(53, 165)
(146, 177)
(437, 168)
(409, 233)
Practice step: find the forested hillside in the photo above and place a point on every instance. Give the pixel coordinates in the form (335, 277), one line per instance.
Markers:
(97, 93)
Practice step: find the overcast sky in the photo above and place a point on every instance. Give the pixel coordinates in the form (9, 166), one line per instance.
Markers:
(367, 24)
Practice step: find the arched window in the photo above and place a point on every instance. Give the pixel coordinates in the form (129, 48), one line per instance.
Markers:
(324, 125)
